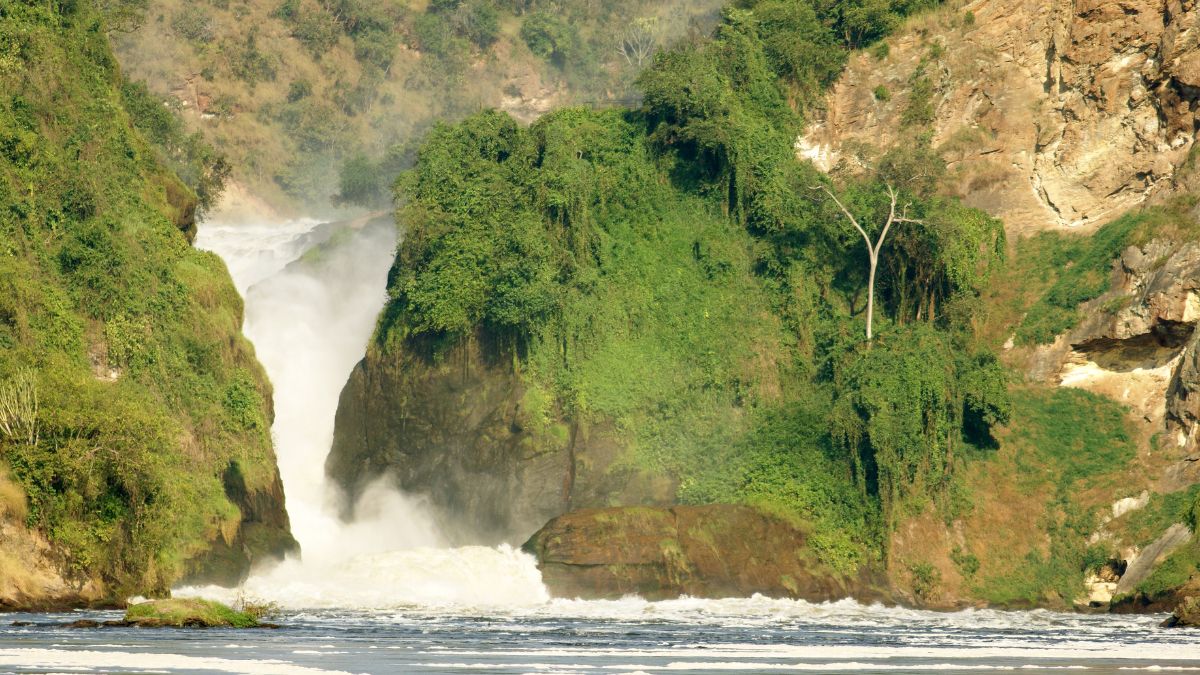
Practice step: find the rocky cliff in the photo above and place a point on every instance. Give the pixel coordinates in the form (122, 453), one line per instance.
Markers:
(457, 429)
(135, 424)
(1052, 115)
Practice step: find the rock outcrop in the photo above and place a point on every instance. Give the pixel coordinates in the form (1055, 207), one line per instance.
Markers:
(1186, 614)
(1138, 344)
(712, 551)
(456, 430)
(1052, 114)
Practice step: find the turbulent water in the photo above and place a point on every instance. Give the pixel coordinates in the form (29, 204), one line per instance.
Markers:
(383, 595)
(629, 636)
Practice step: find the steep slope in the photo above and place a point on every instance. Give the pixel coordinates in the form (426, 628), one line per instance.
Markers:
(1076, 121)
(134, 418)
(290, 90)
(654, 306)
(1052, 115)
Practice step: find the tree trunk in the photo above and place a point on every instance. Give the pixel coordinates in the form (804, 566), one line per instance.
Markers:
(871, 294)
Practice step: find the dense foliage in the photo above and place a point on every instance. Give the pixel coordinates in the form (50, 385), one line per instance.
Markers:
(673, 271)
(139, 391)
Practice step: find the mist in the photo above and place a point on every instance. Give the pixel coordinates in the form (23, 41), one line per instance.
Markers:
(313, 292)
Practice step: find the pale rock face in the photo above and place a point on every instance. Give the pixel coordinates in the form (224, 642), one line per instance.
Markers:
(1138, 344)
(1052, 114)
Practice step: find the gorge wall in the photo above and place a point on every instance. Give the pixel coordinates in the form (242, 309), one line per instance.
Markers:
(135, 431)
(1052, 115)
(1054, 118)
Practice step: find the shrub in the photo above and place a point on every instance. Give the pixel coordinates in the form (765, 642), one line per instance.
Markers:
(550, 38)
(193, 23)
(317, 30)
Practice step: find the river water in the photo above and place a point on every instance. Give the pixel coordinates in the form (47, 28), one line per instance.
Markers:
(385, 595)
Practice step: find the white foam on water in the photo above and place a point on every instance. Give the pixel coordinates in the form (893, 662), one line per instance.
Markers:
(90, 659)
(310, 324)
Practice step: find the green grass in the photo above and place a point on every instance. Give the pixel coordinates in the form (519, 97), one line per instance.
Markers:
(1082, 266)
(1068, 436)
(1065, 441)
(180, 613)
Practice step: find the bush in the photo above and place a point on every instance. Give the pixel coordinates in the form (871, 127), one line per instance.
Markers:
(550, 38)
(479, 22)
(317, 30)
(249, 63)
(375, 47)
(193, 23)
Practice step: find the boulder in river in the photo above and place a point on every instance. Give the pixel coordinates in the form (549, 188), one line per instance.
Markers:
(712, 551)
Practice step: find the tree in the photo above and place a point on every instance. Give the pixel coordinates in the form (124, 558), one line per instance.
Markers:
(874, 248)
(123, 16)
(639, 42)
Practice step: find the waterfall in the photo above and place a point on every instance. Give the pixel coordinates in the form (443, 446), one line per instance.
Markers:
(313, 292)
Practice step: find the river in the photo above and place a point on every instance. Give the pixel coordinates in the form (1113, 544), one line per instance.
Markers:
(385, 595)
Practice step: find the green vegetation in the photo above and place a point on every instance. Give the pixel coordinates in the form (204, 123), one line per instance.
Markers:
(1180, 567)
(119, 343)
(293, 89)
(1063, 442)
(671, 270)
(1082, 267)
(1145, 525)
(188, 613)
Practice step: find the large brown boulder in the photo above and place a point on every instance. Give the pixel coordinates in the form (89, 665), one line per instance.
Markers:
(712, 551)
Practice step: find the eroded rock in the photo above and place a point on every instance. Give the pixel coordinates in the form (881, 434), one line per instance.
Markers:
(711, 551)
(456, 429)
(1052, 114)
(1186, 614)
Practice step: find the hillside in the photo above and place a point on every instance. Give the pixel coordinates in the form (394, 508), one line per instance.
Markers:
(655, 306)
(291, 90)
(134, 418)
(664, 305)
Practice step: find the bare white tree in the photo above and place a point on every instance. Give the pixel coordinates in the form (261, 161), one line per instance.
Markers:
(873, 248)
(639, 41)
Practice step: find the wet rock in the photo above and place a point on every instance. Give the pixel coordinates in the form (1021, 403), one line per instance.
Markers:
(1186, 614)
(455, 428)
(711, 551)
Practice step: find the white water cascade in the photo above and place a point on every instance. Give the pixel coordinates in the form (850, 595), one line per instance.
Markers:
(310, 321)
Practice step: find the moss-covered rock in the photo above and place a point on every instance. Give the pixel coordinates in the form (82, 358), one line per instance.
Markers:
(1186, 614)
(187, 613)
(712, 551)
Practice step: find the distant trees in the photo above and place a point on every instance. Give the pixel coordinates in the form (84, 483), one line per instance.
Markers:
(123, 16)
(549, 37)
